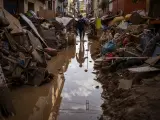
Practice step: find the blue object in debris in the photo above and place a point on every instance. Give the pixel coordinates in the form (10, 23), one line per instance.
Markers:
(108, 47)
(104, 27)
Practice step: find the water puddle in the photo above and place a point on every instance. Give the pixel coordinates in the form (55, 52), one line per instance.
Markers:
(81, 94)
(73, 94)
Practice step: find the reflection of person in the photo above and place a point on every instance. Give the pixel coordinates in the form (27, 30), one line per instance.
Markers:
(80, 56)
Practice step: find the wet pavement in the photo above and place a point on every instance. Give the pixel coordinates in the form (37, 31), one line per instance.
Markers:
(73, 94)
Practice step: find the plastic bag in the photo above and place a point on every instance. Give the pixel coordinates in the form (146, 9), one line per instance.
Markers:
(108, 47)
(123, 25)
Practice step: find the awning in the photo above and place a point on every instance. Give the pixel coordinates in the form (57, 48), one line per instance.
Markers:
(64, 20)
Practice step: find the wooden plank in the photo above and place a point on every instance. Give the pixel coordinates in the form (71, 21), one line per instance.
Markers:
(116, 58)
(143, 69)
(153, 22)
(31, 25)
(101, 59)
(152, 61)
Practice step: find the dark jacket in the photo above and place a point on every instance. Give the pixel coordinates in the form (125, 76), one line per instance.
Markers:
(81, 24)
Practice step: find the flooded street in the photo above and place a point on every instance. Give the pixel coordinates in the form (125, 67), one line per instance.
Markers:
(81, 99)
(73, 94)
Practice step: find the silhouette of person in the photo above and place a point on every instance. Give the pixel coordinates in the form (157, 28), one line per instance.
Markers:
(80, 56)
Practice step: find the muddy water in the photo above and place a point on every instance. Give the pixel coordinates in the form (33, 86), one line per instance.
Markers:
(72, 95)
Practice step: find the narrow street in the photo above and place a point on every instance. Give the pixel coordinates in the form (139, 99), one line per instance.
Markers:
(79, 60)
(73, 94)
(80, 98)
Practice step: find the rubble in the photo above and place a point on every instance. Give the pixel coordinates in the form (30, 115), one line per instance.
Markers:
(26, 44)
(128, 67)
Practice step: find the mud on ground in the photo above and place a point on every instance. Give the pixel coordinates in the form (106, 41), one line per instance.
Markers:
(124, 99)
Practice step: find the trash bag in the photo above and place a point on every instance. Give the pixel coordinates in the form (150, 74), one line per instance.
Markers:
(150, 47)
(108, 47)
(123, 25)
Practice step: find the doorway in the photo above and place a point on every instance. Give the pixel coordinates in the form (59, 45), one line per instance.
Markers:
(30, 6)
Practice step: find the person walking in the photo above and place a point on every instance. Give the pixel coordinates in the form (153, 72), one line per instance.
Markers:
(81, 27)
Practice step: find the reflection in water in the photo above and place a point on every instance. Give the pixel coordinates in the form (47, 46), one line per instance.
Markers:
(42, 103)
(80, 56)
(47, 102)
(80, 99)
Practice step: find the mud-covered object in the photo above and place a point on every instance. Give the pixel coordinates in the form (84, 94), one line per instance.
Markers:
(123, 64)
(31, 25)
(3, 22)
(51, 39)
(22, 42)
(136, 29)
(150, 47)
(49, 36)
(10, 39)
(37, 76)
(145, 38)
(4, 47)
(137, 113)
(50, 51)
(71, 39)
(39, 57)
(35, 42)
(136, 19)
(6, 106)
(156, 50)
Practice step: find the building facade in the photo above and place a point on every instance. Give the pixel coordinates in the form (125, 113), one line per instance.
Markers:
(88, 6)
(95, 8)
(127, 6)
(22, 6)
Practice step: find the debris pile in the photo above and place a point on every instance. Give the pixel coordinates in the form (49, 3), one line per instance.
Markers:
(128, 66)
(25, 46)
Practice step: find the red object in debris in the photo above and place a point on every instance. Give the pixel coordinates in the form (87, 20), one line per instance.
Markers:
(125, 41)
(50, 51)
(109, 56)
